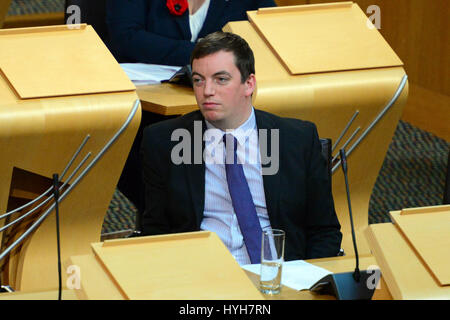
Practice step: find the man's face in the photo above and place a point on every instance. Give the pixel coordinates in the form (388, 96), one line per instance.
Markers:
(222, 98)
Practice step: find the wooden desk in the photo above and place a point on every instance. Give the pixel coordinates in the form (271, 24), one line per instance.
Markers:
(39, 295)
(102, 287)
(4, 6)
(335, 265)
(167, 99)
(419, 239)
(49, 107)
(328, 99)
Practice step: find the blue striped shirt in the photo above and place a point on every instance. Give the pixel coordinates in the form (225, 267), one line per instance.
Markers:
(218, 215)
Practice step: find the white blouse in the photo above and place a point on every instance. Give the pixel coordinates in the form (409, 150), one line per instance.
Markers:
(197, 19)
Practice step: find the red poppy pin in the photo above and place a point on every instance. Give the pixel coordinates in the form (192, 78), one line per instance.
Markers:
(177, 7)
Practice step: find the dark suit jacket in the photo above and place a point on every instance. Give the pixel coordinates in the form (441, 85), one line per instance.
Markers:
(298, 197)
(145, 31)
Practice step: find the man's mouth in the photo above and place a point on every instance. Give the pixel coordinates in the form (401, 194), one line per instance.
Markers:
(210, 105)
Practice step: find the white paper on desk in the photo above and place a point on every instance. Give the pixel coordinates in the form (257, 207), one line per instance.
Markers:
(297, 274)
(143, 74)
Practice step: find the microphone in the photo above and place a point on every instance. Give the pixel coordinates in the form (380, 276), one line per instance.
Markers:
(346, 285)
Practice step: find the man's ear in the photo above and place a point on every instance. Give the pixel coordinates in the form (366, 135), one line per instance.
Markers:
(250, 84)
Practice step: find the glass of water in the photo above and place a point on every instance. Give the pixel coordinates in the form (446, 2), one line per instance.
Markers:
(272, 256)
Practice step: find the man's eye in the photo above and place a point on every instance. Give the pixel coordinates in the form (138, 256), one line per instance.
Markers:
(197, 81)
(222, 80)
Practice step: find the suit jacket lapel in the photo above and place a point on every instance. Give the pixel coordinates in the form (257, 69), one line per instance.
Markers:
(271, 182)
(183, 25)
(195, 172)
(215, 10)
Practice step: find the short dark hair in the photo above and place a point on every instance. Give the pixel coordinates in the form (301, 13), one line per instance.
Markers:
(229, 42)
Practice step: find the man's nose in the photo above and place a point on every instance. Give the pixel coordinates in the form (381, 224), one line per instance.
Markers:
(209, 89)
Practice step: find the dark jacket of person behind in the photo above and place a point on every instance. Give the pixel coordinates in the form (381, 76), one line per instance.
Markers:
(148, 32)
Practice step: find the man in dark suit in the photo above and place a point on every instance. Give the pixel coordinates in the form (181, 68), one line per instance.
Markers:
(188, 188)
(154, 32)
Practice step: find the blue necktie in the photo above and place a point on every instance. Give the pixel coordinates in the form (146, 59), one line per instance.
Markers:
(243, 202)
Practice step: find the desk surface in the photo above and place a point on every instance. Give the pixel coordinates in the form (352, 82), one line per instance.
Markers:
(406, 281)
(340, 264)
(167, 99)
(336, 265)
(43, 295)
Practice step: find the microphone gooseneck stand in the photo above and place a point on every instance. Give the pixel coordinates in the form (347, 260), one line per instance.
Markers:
(58, 244)
(347, 285)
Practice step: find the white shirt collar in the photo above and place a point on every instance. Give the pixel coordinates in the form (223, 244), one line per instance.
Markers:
(241, 133)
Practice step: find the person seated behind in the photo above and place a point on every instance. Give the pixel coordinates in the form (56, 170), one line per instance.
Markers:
(156, 32)
(196, 180)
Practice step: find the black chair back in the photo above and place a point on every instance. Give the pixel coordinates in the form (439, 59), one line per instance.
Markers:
(326, 152)
(447, 183)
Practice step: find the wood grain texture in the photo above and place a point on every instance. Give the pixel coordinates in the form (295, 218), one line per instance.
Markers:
(186, 266)
(40, 295)
(419, 32)
(34, 20)
(428, 235)
(39, 137)
(405, 274)
(336, 38)
(4, 6)
(74, 61)
(167, 99)
(428, 110)
(98, 284)
(291, 2)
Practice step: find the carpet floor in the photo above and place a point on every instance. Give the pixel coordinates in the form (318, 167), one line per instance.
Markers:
(22, 7)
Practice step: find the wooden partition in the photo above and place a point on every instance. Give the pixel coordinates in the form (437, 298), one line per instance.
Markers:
(4, 6)
(417, 30)
(192, 265)
(66, 88)
(291, 2)
(413, 252)
(332, 92)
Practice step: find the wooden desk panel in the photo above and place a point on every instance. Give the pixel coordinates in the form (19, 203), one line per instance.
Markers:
(405, 274)
(192, 265)
(429, 235)
(167, 99)
(337, 39)
(335, 265)
(39, 295)
(101, 286)
(38, 137)
(4, 6)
